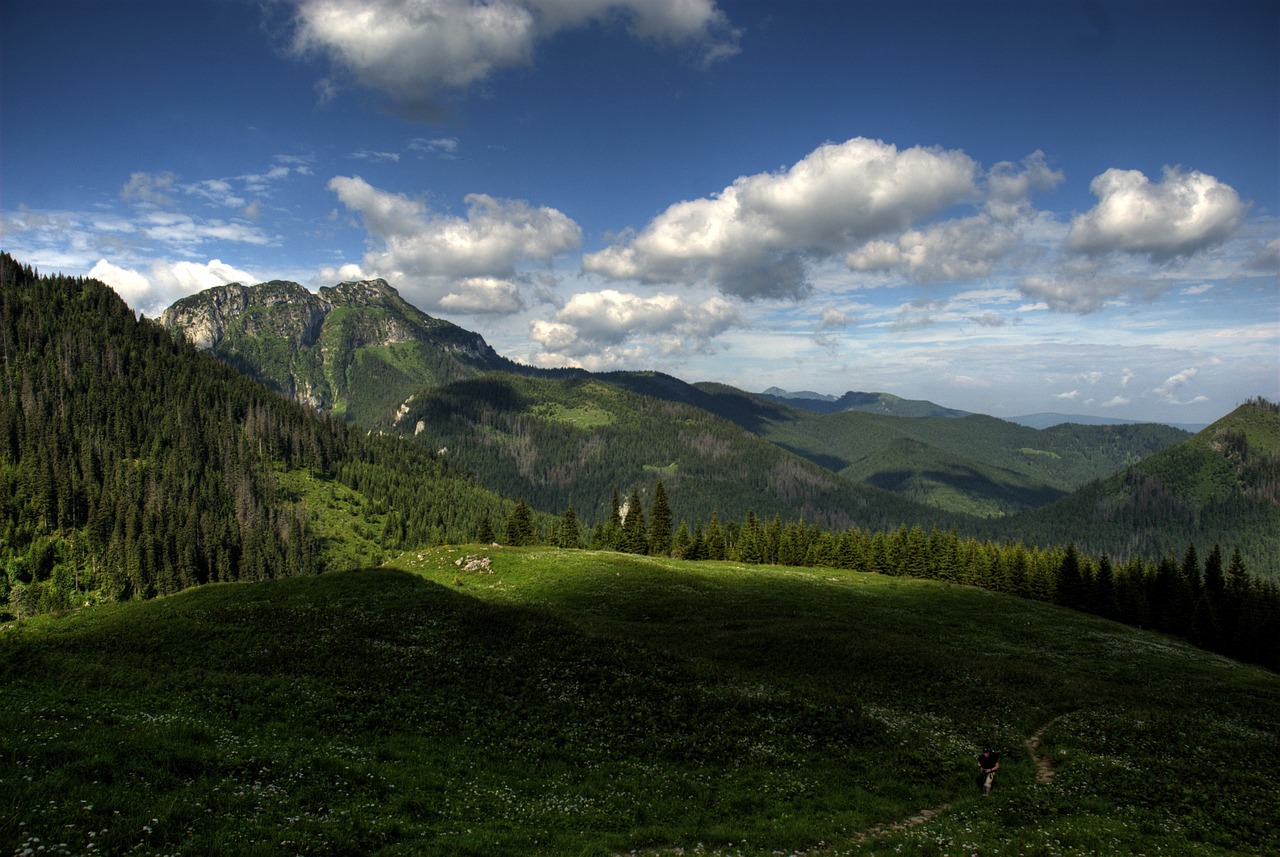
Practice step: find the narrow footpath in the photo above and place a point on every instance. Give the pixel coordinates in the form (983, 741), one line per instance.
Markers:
(1044, 774)
(1044, 764)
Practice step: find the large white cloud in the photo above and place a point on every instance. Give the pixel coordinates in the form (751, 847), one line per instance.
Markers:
(1183, 213)
(165, 282)
(753, 238)
(459, 263)
(1140, 239)
(608, 328)
(415, 49)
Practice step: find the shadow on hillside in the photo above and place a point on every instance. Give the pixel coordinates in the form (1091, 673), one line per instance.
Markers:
(747, 411)
(830, 462)
(968, 481)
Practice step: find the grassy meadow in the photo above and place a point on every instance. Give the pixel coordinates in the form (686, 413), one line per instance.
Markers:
(495, 701)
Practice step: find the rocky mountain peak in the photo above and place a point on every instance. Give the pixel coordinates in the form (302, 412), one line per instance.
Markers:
(279, 307)
(329, 349)
(360, 293)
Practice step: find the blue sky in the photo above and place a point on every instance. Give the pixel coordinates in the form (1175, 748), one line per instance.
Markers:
(1007, 207)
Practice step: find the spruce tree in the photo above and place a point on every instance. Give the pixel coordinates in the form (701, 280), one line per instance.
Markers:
(698, 545)
(1215, 581)
(660, 522)
(635, 536)
(682, 542)
(520, 531)
(715, 537)
(569, 534)
(1071, 587)
(751, 540)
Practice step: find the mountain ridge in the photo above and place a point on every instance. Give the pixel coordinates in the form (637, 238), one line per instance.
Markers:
(1049, 419)
(876, 403)
(1220, 485)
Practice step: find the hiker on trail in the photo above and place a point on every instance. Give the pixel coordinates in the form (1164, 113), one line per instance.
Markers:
(988, 764)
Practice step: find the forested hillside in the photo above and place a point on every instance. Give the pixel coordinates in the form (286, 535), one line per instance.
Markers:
(559, 442)
(1221, 485)
(133, 465)
(965, 463)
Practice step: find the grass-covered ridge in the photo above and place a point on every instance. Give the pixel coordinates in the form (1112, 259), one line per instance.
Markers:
(538, 701)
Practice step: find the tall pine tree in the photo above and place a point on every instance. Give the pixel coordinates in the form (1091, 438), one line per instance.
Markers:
(660, 522)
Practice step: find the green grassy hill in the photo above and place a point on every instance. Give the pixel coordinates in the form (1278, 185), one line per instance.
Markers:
(523, 702)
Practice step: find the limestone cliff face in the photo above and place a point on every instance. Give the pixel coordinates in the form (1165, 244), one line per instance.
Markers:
(277, 308)
(203, 317)
(354, 344)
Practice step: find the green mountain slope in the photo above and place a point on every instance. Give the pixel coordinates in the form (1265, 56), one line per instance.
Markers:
(357, 349)
(971, 464)
(558, 442)
(543, 435)
(570, 703)
(1221, 485)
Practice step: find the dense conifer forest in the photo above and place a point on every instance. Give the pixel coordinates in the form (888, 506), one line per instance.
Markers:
(132, 465)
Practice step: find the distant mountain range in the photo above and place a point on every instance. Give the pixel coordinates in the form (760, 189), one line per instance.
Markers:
(885, 403)
(1048, 419)
(567, 437)
(872, 403)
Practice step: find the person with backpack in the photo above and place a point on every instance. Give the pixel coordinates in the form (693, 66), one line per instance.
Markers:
(988, 764)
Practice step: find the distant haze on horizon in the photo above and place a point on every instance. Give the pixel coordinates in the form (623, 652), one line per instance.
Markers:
(1006, 208)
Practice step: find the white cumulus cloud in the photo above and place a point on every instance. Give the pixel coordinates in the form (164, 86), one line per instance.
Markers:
(1183, 213)
(1010, 185)
(455, 262)
(483, 295)
(415, 49)
(605, 329)
(753, 238)
(965, 249)
(165, 282)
